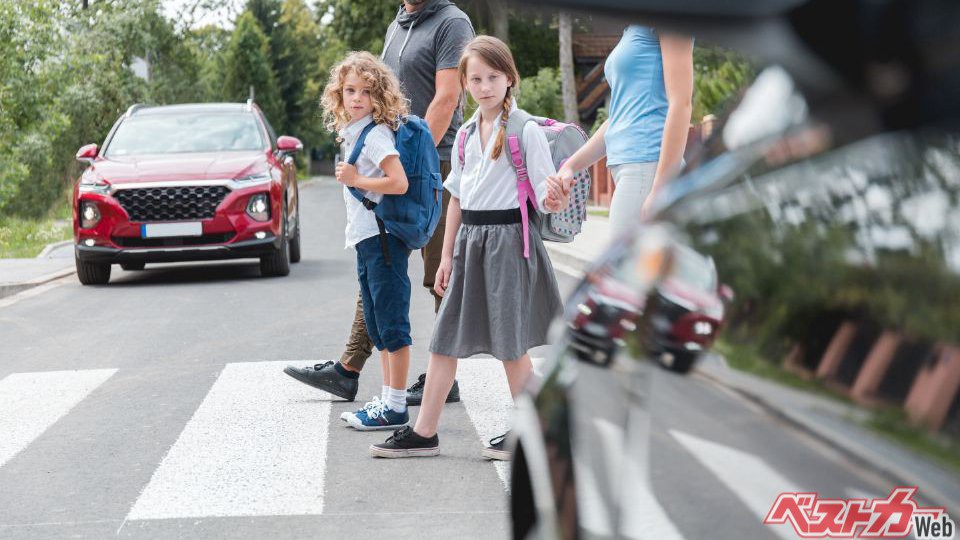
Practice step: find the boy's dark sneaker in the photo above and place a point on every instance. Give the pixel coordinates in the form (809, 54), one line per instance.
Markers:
(325, 377)
(498, 449)
(406, 443)
(415, 392)
(377, 417)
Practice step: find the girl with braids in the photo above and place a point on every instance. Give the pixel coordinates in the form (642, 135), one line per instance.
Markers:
(496, 301)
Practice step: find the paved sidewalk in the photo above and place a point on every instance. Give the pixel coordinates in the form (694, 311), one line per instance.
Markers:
(586, 247)
(839, 425)
(18, 275)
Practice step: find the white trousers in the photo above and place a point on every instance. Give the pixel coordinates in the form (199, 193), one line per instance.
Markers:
(634, 182)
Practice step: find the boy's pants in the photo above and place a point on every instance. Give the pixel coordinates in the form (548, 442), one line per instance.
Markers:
(359, 346)
(385, 289)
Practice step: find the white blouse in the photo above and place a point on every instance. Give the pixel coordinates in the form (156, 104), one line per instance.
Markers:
(483, 184)
(380, 143)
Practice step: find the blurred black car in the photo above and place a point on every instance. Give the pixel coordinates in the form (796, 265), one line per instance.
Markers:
(828, 197)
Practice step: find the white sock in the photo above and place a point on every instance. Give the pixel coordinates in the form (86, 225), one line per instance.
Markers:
(384, 392)
(397, 399)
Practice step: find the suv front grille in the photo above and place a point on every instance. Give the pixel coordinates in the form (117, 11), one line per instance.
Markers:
(177, 203)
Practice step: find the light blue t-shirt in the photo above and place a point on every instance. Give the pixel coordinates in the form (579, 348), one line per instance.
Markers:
(638, 98)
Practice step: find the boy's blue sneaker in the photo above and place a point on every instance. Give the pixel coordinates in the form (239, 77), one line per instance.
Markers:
(345, 416)
(377, 417)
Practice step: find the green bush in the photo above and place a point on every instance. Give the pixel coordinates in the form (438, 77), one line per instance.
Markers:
(540, 95)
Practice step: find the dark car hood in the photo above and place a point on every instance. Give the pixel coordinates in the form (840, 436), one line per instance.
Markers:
(191, 166)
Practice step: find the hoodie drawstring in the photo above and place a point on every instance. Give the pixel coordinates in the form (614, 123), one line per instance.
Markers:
(394, 33)
(406, 39)
(390, 37)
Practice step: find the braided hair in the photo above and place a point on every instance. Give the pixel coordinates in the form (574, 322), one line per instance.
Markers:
(496, 54)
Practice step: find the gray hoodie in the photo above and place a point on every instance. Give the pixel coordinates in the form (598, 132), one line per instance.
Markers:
(418, 45)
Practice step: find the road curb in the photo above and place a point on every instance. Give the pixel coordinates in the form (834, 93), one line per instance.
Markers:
(50, 247)
(10, 289)
(884, 468)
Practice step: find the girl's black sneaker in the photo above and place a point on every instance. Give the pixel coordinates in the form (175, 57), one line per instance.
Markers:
(498, 449)
(406, 443)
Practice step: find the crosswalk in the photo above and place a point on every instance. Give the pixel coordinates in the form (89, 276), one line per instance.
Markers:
(32, 402)
(258, 443)
(242, 453)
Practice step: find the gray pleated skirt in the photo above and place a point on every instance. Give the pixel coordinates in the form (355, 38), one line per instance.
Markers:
(497, 302)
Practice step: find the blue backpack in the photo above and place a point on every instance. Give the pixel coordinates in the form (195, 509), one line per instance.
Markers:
(413, 216)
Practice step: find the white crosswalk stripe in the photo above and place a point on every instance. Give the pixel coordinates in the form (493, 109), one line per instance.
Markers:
(251, 449)
(257, 446)
(32, 402)
(486, 396)
(754, 482)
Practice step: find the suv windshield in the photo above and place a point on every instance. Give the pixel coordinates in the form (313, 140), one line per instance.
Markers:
(186, 132)
(694, 270)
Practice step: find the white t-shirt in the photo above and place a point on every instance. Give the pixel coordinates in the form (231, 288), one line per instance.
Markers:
(483, 184)
(380, 144)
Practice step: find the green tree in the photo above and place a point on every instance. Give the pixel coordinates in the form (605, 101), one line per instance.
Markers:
(360, 25)
(267, 14)
(719, 75)
(540, 94)
(296, 49)
(247, 64)
(208, 45)
(534, 43)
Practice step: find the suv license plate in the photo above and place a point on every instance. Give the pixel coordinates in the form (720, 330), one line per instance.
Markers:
(161, 230)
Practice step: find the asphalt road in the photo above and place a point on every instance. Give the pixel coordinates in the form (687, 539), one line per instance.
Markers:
(155, 407)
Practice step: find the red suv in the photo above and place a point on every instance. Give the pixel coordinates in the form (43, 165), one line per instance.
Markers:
(187, 183)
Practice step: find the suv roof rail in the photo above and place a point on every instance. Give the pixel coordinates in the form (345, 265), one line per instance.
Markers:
(133, 108)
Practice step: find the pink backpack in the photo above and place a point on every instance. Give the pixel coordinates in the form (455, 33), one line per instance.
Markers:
(564, 140)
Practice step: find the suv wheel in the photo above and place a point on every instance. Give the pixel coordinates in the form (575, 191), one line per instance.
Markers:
(278, 263)
(92, 273)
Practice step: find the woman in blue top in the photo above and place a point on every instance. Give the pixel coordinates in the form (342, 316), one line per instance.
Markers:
(651, 91)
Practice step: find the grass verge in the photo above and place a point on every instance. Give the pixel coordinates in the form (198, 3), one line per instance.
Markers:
(26, 238)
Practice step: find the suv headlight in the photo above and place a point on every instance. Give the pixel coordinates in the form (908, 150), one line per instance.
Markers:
(89, 214)
(259, 207)
(89, 184)
(258, 178)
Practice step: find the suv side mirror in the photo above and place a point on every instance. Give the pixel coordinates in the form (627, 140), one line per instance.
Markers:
(288, 145)
(725, 292)
(87, 153)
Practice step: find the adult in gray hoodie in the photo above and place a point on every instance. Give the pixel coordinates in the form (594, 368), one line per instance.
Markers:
(423, 47)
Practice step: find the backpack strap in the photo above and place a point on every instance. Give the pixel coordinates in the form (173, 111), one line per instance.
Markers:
(352, 160)
(462, 147)
(465, 133)
(525, 192)
(367, 203)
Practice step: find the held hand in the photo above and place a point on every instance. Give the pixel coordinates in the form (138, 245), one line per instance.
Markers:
(442, 279)
(346, 174)
(558, 193)
(564, 173)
